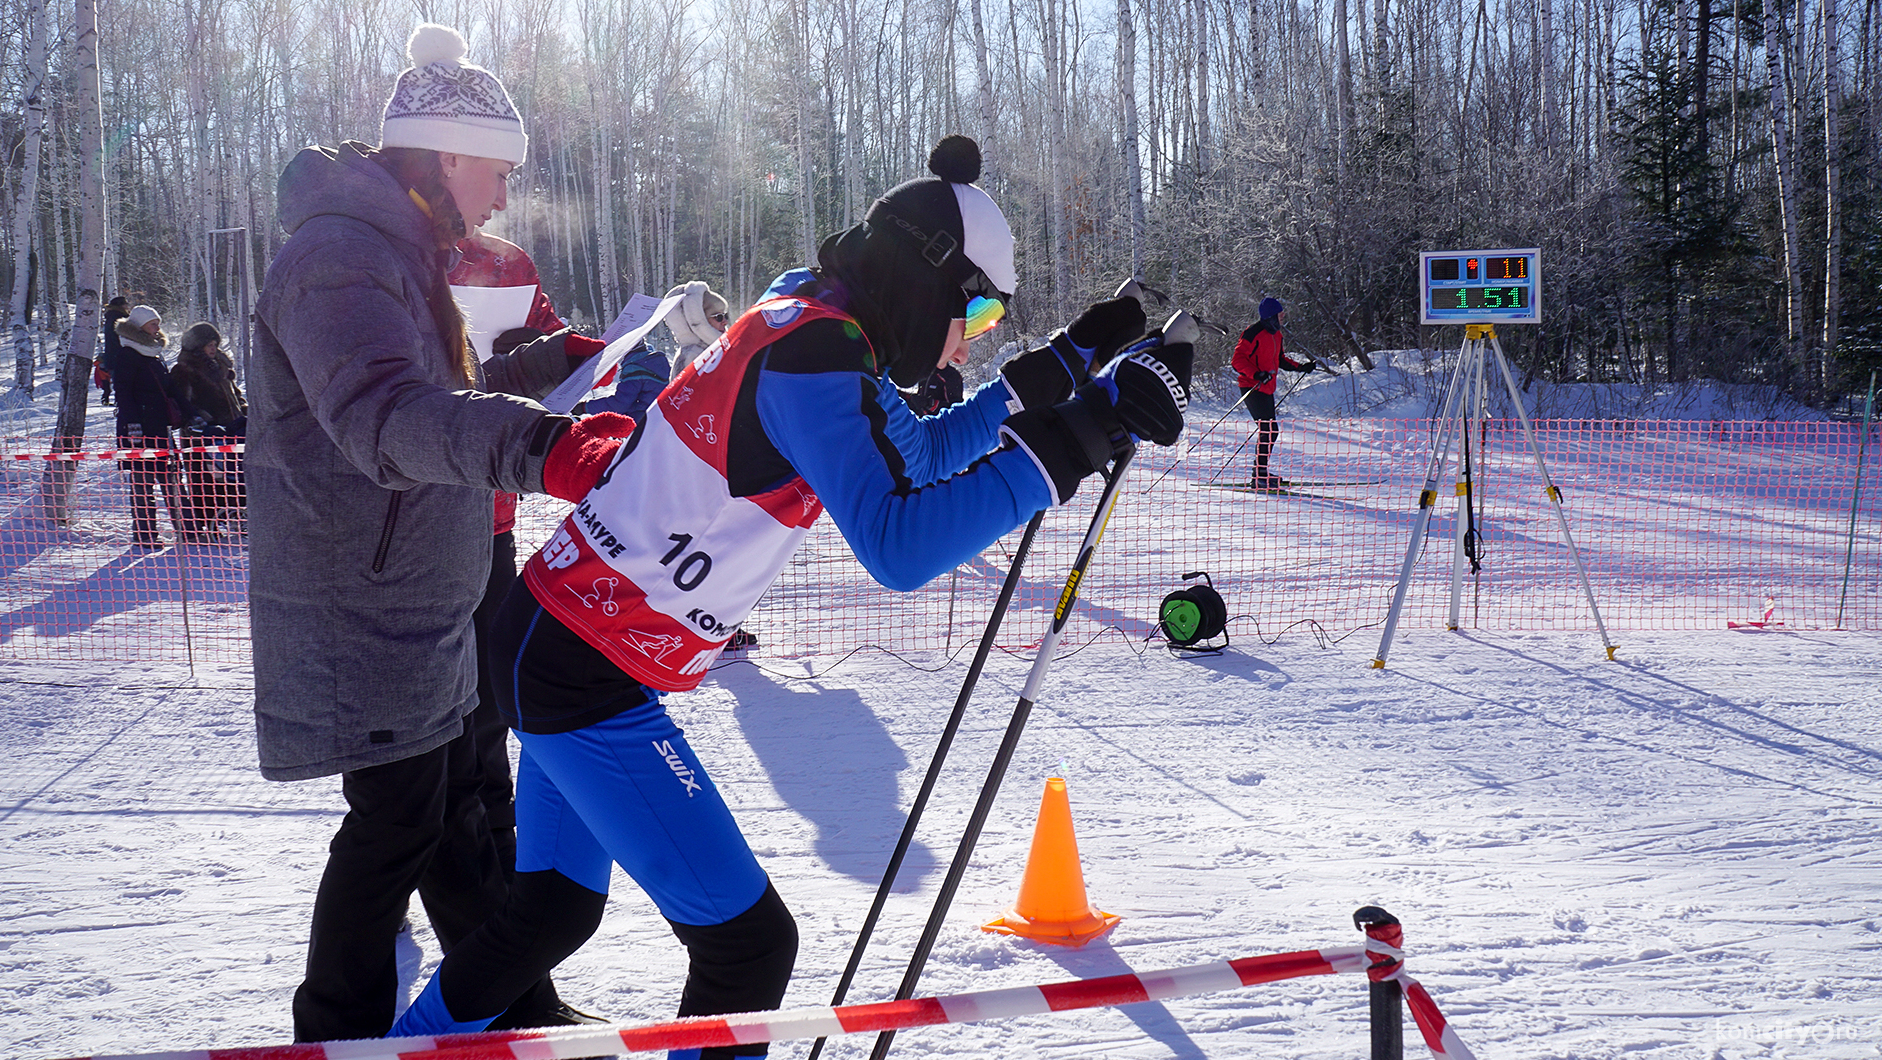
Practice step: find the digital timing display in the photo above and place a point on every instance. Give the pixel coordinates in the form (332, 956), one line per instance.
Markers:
(1480, 286)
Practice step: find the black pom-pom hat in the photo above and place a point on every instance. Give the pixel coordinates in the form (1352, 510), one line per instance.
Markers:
(950, 223)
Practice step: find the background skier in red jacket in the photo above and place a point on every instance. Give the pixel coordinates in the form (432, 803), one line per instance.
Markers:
(1258, 359)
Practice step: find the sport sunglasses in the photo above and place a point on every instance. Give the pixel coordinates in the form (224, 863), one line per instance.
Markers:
(985, 307)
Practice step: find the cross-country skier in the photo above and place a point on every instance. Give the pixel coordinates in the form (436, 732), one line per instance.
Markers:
(683, 522)
(1258, 359)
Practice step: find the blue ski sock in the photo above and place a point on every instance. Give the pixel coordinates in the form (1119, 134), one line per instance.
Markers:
(428, 1016)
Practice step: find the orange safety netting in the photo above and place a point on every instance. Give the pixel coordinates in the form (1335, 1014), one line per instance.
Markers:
(1680, 524)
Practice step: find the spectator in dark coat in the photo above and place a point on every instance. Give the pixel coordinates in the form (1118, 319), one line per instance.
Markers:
(375, 442)
(149, 408)
(115, 310)
(205, 377)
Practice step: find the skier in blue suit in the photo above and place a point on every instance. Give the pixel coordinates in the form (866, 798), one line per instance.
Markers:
(685, 518)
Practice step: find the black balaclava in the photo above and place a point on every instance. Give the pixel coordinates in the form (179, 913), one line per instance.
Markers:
(905, 272)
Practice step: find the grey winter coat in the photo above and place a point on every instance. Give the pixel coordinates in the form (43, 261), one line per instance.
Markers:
(370, 471)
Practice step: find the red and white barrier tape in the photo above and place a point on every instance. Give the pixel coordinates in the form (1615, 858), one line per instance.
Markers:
(699, 1032)
(133, 454)
(1387, 963)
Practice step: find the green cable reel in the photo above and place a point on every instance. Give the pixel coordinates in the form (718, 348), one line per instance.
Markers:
(1192, 615)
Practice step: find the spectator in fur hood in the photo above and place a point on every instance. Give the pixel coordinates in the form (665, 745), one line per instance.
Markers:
(696, 323)
(205, 376)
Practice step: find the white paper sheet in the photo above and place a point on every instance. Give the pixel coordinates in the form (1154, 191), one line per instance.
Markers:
(491, 311)
(638, 310)
(577, 385)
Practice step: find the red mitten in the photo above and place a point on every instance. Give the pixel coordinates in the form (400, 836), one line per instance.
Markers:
(580, 347)
(578, 458)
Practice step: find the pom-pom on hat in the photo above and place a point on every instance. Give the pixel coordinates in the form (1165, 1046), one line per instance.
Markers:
(1271, 307)
(443, 103)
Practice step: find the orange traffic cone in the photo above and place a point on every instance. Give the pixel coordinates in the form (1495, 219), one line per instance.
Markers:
(1052, 906)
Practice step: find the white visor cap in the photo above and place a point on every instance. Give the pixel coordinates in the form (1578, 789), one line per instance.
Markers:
(985, 237)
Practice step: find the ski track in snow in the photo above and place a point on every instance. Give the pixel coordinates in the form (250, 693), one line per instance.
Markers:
(1668, 855)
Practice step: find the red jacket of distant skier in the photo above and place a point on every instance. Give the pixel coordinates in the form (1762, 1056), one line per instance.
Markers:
(1259, 358)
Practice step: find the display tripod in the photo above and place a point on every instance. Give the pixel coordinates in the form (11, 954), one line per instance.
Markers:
(1464, 405)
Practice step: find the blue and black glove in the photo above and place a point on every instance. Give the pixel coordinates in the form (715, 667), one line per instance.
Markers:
(1141, 394)
(1048, 374)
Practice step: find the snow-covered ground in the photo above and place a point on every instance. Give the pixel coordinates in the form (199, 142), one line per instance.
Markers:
(1669, 855)
(1672, 854)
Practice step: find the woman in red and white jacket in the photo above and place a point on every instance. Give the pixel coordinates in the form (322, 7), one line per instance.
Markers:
(1258, 359)
(484, 260)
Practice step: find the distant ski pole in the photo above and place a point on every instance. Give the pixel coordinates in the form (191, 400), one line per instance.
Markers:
(1191, 447)
(990, 790)
(934, 765)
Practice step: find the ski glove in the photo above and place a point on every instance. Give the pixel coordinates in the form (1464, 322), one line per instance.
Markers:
(1143, 394)
(1069, 440)
(1148, 386)
(579, 456)
(1306, 367)
(1048, 374)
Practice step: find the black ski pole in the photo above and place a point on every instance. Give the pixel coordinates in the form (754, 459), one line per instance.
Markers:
(1008, 744)
(1285, 394)
(934, 766)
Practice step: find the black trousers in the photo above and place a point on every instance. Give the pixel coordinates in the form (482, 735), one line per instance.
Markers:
(412, 825)
(145, 477)
(495, 788)
(1267, 427)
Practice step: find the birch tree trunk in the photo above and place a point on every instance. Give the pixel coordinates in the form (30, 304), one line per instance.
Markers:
(1204, 137)
(1780, 107)
(1545, 51)
(984, 94)
(1127, 108)
(1832, 177)
(806, 206)
(607, 275)
(76, 374)
(1344, 57)
(1051, 25)
(33, 78)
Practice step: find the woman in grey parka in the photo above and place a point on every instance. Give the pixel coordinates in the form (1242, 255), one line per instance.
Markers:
(373, 451)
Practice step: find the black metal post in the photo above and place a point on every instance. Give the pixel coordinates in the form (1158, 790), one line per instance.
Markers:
(1386, 998)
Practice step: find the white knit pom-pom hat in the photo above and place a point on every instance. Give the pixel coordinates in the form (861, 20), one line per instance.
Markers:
(443, 103)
